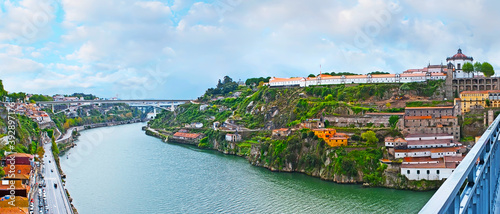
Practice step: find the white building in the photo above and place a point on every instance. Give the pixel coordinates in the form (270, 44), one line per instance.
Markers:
(324, 79)
(456, 62)
(428, 168)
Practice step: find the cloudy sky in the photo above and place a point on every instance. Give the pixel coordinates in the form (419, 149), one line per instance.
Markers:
(178, 48)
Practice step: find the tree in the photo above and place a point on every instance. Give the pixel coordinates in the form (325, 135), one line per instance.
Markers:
(327, 123)
(393, 120)
(468, 68)
(329, 97)
(388, 105)
(488, 103)
(311, 75)
(487, 69)
(370, 137)
(477, 67)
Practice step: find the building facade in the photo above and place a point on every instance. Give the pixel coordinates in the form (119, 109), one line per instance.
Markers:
(431, 120)
(478, 99)
(332, 137)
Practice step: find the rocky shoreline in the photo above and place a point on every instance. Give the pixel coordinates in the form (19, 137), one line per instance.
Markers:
(391, 178)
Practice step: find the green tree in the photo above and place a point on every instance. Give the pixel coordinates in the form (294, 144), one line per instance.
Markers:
(468, 68)
(487, 69)
(370, 137)
(488, 103)
(393, 120)
(3, 93)
(311, 75)
(477, 67)
(329, 97)
(327, 123)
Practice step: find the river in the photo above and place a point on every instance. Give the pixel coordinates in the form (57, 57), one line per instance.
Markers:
(121, 170)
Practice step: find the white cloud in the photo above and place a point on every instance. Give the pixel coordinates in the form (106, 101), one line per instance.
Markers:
(107, 46)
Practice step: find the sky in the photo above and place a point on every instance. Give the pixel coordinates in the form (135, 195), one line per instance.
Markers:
(177, 49)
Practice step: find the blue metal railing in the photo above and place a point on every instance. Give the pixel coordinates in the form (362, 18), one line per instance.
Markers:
(472, 187)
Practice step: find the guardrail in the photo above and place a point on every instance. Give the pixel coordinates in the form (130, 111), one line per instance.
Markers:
(472, 187)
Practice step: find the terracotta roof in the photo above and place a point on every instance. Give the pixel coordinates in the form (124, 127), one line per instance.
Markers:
(438, 74)
(418, 117)
(389, 139)
(13, 210)
(421, 159)
(400, 140)
(282, 129)
(436, 107)
(331, 77)
(412, 75)
(17, 183)
(448, 117)
(25, 170)
(382, 113)
(285, 79)
(186, 135)
(18, 155)
(383, 75)
(480, 92)
(356, 76)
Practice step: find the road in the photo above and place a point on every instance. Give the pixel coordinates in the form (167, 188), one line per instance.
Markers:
(67, 135)
(56, 196)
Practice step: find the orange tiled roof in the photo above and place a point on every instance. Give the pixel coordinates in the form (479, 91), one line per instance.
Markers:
(412, 75)
(20, 155)
(186, 135)
(25, 169)
(355, 76)
(13, 210)
(285, 79)
(480, 92)
(383, 75)
(17, 183)
(282, 129)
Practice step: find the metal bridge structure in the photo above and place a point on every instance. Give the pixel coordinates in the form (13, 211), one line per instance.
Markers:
(473, 186)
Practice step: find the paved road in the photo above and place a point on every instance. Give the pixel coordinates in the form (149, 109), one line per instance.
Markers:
(56, 197)
(66, 135)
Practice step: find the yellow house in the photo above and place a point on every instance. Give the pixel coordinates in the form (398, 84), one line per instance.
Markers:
(473, 99)
(331, 137)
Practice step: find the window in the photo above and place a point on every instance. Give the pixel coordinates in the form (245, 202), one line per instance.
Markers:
(428, 171)
(437, 171)
(418, 172)
(408, 172)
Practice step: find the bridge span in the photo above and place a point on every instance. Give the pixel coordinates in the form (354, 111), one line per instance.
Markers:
(112, 101)
(473, 186)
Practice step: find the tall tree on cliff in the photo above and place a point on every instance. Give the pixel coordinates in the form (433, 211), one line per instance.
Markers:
(487, 69)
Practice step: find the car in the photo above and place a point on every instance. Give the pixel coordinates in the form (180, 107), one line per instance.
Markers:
(51, 170)
(44, 184)
(49, 161)
(55, 185)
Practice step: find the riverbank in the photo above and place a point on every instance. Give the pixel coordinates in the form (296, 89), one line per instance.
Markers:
(369, 171)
